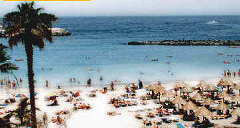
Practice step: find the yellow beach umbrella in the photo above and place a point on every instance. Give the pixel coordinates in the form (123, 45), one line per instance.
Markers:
(159, 89)
(207, 101)
(52, 94)
(236, 112)
(179, 85)
(203, 111)
(202, 84)
(169, 94)
(237, 86)
(197, 96)
(178, 100)
(225, 82)
(222, 106)
(225, 96)
(236, 98)
(189, 106)
(150, 87)
(210, 87)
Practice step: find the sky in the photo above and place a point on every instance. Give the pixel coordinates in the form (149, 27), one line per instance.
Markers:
(134, 7)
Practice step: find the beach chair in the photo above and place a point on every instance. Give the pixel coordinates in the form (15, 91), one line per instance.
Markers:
(180, 125)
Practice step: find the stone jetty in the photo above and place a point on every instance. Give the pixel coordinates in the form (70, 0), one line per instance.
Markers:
(189, 42)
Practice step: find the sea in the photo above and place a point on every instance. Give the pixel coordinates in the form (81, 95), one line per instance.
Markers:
(98, 48)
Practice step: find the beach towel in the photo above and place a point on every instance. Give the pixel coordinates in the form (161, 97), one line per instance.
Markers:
(180, 125)
(18, 95)
(3, 104)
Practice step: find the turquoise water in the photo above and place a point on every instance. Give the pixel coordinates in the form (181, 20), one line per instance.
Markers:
(97, 48)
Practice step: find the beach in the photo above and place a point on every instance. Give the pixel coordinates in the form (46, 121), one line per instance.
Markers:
(100, 112)
(178, 81)
(108, 65)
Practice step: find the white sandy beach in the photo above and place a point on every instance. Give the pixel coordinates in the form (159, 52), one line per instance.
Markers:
(97, 116)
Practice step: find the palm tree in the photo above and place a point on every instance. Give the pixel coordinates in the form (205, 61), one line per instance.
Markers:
(31, 27)
(5, 65)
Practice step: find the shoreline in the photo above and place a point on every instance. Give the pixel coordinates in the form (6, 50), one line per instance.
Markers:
(189, 43)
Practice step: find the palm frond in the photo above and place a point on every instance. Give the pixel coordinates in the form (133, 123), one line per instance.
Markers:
(29, 23)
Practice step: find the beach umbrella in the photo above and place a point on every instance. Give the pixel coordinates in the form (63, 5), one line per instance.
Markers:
(236, 112)
(187, 89)
(179, 85)
(222, 106)
(207, 101)
(178, 100)
(52, 94)
(197, 96)
(169, 94)
(236, 98)
(210, 87)
(225, 96)
(189, 106)
(203, 111)
(150, 87)
(237, 87)
(225, 83)
(159, 89)
(202, 84)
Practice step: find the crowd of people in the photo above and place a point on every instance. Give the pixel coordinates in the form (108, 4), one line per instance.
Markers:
(228, 73)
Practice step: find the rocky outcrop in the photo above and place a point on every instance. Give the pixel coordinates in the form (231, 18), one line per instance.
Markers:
(189, 42)
(60, 32)
(55, 32)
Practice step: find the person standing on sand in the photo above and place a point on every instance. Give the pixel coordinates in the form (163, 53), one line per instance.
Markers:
(21, 82)
(14, 84)
(47, 85)
(89, 82)
(45, 119)
(112, 86)
(140, 84)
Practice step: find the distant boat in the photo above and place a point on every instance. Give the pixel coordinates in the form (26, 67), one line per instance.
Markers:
(212, 22)
(19, 59)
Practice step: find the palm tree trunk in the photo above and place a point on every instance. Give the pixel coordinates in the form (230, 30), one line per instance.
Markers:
(29, 52)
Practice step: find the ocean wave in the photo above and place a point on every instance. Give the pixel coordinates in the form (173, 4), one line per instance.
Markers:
(212, 22)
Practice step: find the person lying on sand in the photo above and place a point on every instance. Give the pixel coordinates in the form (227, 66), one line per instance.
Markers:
(55, 103)
(81, 106)
(58, 120)
(113, 113)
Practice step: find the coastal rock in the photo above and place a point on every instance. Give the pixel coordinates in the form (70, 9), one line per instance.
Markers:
(55, 32)
(189, 42)
(60, 32)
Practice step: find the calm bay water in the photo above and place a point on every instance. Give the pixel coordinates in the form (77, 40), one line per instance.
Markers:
(97, 48)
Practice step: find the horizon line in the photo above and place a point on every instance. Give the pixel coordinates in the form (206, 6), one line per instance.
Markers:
(202, 15)
(47, 0)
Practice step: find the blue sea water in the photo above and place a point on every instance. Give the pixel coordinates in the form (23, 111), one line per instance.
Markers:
(97, 48)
